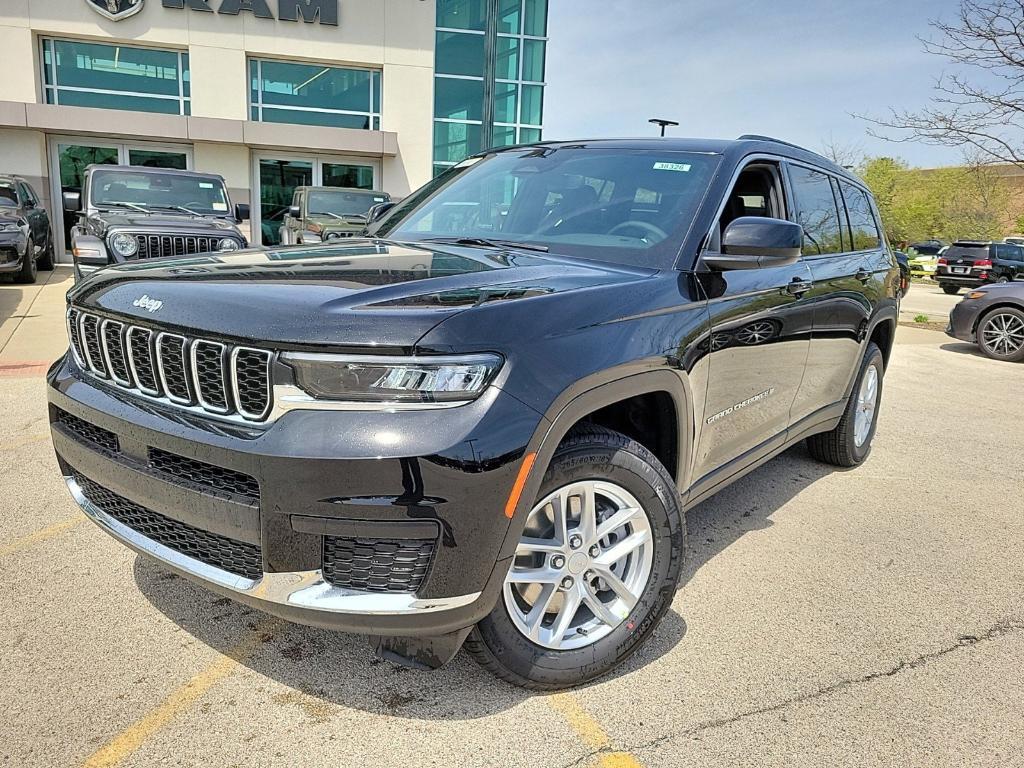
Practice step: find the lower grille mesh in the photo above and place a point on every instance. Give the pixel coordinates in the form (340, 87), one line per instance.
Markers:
(205, 475)
(219, 551)
(377, 565)
(88, 433)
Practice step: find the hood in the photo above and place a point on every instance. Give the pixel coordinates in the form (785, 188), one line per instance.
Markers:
(331, 224)
(166, 222)
(9, 213)
(358, 294)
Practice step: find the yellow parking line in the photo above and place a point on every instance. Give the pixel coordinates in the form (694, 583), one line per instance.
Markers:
(590, 732)
(131, 738)
(35, 538)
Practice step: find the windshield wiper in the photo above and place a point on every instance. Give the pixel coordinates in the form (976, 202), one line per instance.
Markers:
(344, 218)
(133, 206)
(487, 242)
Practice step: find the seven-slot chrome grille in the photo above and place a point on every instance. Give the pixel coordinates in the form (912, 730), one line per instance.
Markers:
(152, 246)
(218, 378)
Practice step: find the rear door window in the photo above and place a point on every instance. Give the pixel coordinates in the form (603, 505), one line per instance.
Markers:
(863, 227)
(817, 212)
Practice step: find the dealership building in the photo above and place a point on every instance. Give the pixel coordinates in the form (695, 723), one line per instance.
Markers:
(270, 94)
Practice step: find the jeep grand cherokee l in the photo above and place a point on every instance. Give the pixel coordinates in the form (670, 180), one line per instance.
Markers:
(483, 423)
(127, 213)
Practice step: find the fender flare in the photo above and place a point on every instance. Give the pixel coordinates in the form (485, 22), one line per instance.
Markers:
(570, 407)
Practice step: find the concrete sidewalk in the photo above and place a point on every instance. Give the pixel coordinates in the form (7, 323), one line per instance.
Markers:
(32, 332)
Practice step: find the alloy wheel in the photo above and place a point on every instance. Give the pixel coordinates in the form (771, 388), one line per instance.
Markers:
(581, 565)
(867, 402)
(1003, 334)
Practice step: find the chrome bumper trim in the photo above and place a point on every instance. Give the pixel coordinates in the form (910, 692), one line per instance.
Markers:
(298, 589)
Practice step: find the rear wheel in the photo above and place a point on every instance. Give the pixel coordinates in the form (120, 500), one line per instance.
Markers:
(952, 290)
(1003, 279)
(850, 442)
(46, 259)
(1001, 334)
(595, 569)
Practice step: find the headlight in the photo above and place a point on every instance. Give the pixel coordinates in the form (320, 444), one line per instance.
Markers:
(124, 245)
(227, 244)
(394, 379)
(976, 295)
(9, 227)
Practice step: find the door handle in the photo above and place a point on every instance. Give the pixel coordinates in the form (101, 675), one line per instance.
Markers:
(863, 275)
(798, 287)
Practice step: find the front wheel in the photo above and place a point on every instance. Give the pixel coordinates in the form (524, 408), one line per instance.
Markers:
(29, 270)
(594, 571)
(1001, 334)
(952, 290)
(850, 442)
(47, 259)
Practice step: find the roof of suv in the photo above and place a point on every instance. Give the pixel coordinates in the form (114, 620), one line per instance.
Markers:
(147, 169)
(744, 145)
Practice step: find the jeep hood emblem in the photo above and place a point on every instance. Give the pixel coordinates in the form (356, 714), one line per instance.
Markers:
(116, 9)
(148, 304)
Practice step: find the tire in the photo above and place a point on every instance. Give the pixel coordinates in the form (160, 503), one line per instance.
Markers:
(840, 447)
(952, 290)
(28, 272)
(614, 461)
(1000, 334)
(1003, 279)
(47, 258)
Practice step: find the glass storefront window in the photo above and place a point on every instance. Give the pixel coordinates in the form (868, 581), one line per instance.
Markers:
(504, 136)
(453, 142)
(81, 74)
(458, 99)
(505, 102)
(509, 15)
(462, 14)
(314, 94)
(536, 18)
(459, 53)
(345, 175)
(529, 135)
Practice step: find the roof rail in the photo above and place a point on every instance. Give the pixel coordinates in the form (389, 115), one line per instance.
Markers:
(758, 137)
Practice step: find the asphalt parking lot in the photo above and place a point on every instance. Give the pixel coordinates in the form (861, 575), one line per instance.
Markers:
(869, 617)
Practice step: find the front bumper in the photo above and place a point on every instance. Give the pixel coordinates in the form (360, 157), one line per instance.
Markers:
(13, 246)
(963, 320)
(967, 281)
(323, 477)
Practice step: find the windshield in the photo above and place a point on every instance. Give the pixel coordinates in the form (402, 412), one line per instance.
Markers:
(338, 203)
(7, 195)
(169, 191)
(620, 205)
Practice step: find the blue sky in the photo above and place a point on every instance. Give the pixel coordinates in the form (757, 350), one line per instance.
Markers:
(794, 70)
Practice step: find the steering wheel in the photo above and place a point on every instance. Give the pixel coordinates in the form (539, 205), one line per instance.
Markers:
(647, 227)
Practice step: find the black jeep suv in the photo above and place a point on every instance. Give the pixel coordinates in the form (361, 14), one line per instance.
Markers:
(484, 422)
(132, 212)
(972, 263)
(26, 240)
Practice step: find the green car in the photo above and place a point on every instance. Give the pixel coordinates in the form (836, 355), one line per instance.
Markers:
(322, 214)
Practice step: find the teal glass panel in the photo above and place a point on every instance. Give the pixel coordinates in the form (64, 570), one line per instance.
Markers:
(460, 54)
(254, 83)
(50, 97)
(454, 142)
(536, 18)
(254, 114)
(509, 16)
(462, 14)
(439, 169)
(458, 99)
(154, 159)
(533, 105)
(314, 85)
(118, 101)
(529, 135)
(505, 102)
(504, 136)
(329, 119)
(376, 123)
(186, 76)
(507, 59)
(47, 61)
(344, 175)
(278, 181)
(533, 60)
(115, 68)
(376, 92)
(187, 108)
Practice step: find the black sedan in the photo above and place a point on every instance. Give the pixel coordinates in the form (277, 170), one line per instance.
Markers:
(992, 317)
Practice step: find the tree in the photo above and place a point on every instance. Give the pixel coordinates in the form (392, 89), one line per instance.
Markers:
(986, 43)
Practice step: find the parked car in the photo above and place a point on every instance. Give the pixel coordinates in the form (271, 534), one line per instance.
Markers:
(971, 263)
(993, 318)
(26, 239)
(483, 424)
(319, 214)
(904, 263)
(927, 247)
(1015, 240)
(128, 213)
(924, 264)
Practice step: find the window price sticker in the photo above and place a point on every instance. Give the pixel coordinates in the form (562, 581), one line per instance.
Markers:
(678, 167)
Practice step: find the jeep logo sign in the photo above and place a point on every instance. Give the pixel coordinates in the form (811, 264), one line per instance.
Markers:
(324, 11)
(148, 304)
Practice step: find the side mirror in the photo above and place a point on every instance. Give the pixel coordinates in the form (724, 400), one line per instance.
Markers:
(242, 212)
(72, 202)
(376, 213)
(29, 205)
(294, 211)
(755, 242)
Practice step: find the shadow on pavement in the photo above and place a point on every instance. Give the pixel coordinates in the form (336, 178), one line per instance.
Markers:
(963, 348)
